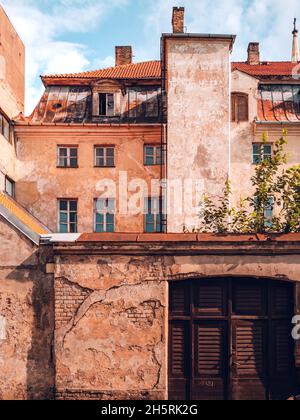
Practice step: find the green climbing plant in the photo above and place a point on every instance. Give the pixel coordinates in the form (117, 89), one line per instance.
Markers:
(276, 191)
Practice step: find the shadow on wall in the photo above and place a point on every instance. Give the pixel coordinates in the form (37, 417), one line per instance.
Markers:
(40, 372)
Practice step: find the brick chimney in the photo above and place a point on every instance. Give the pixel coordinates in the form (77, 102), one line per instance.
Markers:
(178, 20)
(123, 55)
(253, 53)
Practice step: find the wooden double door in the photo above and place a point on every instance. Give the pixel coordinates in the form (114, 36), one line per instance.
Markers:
(231, 339)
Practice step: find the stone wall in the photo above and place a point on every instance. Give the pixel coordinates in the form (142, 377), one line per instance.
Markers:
(111, 308)
(26, 318)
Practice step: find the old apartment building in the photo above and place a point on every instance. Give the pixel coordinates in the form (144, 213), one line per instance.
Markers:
(100, 301)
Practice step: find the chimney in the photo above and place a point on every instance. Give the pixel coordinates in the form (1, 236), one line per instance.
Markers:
(123, 55)
(253, 53)
(295, 51)
(178, 20)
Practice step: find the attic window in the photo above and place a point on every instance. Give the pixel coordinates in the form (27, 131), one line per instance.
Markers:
(57, 105)
(107, 104)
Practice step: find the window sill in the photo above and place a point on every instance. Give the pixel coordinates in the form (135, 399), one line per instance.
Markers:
(104, 167)
(67, 167)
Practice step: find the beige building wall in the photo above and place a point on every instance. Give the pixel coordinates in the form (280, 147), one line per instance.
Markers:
(40, 183)
(12, 89)
(198, 86)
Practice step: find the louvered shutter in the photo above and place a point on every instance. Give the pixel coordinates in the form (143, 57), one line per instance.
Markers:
(242, 108)
(210, 369)
(297, 312)
(211, 298)
(249, 360)
(178, 360)
(249, 297)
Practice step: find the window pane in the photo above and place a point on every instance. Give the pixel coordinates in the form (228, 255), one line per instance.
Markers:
(110, 105)
(63, 228)
(102, 104)
(9, 187)
(73, 162)
(6, 129)
(110, 218)
(99, 151)
(100, 204)
(99, 228)
(63, 205)
(111, 205)
(63, 217)
(110, 162)
(100, 162)
(63, 162)
(149, 223)
(73, 217)
(63, 152)
(73, 228)
(110, 152)
(73, 205)
(99, 218)
(73, 152)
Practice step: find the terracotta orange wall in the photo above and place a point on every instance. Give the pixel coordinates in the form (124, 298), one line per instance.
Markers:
(12, 68)
(40, 183)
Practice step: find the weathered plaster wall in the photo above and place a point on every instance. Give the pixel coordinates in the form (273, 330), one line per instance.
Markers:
(112, 315)
(110, 328)
(12, 68)
(198, 84)
(242, 138)
(7, 161)
(26, 318)
(40, 183)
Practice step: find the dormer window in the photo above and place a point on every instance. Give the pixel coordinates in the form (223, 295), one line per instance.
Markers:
(239, 107)
(106, 104)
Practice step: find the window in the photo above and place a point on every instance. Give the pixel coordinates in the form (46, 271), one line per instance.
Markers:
(239, 107)
(153, 216)
(268, 211)
(105, 156)
(10, 187)
(106, 104)
(67, 216)
(67, 157)
(104, 211)
(153, 155)
(261, 152)
(5, 127)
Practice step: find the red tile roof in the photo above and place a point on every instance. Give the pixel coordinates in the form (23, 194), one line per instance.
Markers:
(144, 70)
(268, 69)
(152, 70)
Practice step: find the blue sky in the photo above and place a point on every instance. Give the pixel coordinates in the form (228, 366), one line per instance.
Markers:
(76, 35)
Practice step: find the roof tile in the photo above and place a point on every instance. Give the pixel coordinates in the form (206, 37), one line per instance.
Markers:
(148, 69)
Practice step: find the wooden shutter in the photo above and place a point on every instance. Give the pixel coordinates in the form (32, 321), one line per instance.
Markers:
(250, 297)
(179, 299)
(249, 360)
(297, 312)
(210, 364)
(211, 298)
(239, 107)
(242, 108)
(178, 360)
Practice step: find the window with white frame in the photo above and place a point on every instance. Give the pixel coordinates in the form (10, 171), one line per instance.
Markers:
(154, 215)
(67, 218)
(105, 156)
(67, 156)
(104, 215)
(153, 155)
(261, 152)
(106, 104)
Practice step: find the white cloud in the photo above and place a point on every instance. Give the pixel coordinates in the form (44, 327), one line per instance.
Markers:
(42, 23)
(267, 21)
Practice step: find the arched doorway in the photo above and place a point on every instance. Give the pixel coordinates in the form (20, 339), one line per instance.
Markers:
(231, 339)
